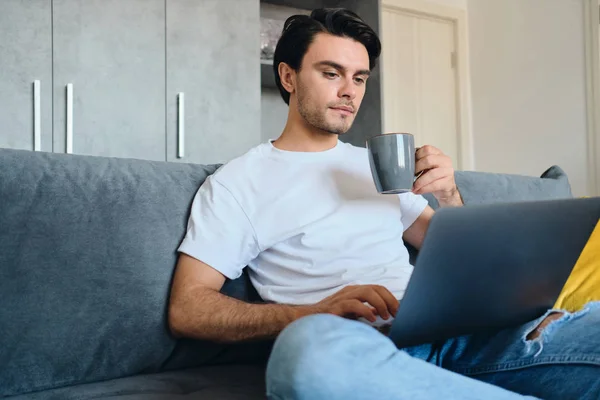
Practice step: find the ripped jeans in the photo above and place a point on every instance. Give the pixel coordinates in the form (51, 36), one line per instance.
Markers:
(328, 357)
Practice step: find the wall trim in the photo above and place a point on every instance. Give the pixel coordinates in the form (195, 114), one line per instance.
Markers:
(458, 17)
(592, 66)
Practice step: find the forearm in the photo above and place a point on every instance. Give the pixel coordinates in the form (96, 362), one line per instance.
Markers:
(209, 315)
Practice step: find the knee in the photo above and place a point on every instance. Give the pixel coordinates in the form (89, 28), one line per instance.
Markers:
(312, 330)
(310, 352)
(300, 354)
(305, 342)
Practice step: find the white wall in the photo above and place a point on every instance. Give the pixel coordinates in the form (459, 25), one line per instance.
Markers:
(274, 113)
(462, 4)
(528, 87)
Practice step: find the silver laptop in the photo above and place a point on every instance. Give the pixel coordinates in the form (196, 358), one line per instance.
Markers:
(486, 267)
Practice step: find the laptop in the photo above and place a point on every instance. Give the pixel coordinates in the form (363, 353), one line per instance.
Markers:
(483, 268)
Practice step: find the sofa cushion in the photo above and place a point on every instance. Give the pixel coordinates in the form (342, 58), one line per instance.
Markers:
(481, 188)
(87, 252)
(477, 187)
(237, 382)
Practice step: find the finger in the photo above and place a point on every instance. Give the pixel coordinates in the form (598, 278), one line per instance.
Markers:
(357, 309)
(440, 185)
(431, 176)
(427, 150)
(432, 161)
(389, 298)
(346, 289)
(432, 183)
(371, 296)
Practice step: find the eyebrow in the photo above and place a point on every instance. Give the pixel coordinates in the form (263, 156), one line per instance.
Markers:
(342, 68)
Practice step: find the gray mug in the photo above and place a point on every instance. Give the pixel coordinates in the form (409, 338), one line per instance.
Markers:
(392, 160)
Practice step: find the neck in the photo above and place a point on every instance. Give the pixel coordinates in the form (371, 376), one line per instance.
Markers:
(298, 135)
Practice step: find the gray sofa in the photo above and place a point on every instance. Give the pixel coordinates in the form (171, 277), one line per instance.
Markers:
(87, 253)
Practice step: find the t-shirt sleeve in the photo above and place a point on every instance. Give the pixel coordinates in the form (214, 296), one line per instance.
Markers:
(219, 232)
(411, 206)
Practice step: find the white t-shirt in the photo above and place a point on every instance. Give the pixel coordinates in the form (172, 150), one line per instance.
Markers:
(305, 223)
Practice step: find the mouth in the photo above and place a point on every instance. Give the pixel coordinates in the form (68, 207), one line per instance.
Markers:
(344, 110)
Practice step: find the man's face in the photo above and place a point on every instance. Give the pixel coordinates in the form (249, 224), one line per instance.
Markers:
(331, 82)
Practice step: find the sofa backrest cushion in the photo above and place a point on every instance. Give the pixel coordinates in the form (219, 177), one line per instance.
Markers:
(87, 252)
(487, 188)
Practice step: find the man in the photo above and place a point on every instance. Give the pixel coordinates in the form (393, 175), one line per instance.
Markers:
(325, 250)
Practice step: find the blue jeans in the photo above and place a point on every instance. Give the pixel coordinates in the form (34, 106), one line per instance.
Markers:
(328, 357)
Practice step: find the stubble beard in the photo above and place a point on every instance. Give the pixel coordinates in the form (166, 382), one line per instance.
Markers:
(317, 118)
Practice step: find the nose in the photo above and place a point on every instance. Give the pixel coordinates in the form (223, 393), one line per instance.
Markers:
(348, 89)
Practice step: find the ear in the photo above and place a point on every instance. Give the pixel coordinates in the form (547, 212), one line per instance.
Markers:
(287, 75)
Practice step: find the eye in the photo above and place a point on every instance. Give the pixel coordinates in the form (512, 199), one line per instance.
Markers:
(359, 80)
(330, 75)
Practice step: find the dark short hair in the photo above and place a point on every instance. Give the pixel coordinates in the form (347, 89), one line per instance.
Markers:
(299, 32)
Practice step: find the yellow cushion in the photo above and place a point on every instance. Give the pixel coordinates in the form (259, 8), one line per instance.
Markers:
(583, 284)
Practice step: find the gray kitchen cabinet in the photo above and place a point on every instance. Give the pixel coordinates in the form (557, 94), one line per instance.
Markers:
(25, 58)
(213, 79)
(109, 78)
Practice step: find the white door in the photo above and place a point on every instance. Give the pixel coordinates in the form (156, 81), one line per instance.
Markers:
(419, 79)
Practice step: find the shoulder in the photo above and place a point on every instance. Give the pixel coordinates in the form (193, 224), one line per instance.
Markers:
(240, 169)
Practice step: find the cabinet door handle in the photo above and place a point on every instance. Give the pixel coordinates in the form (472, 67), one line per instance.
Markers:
(180, 125)
(37, 123)
(69, 118)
